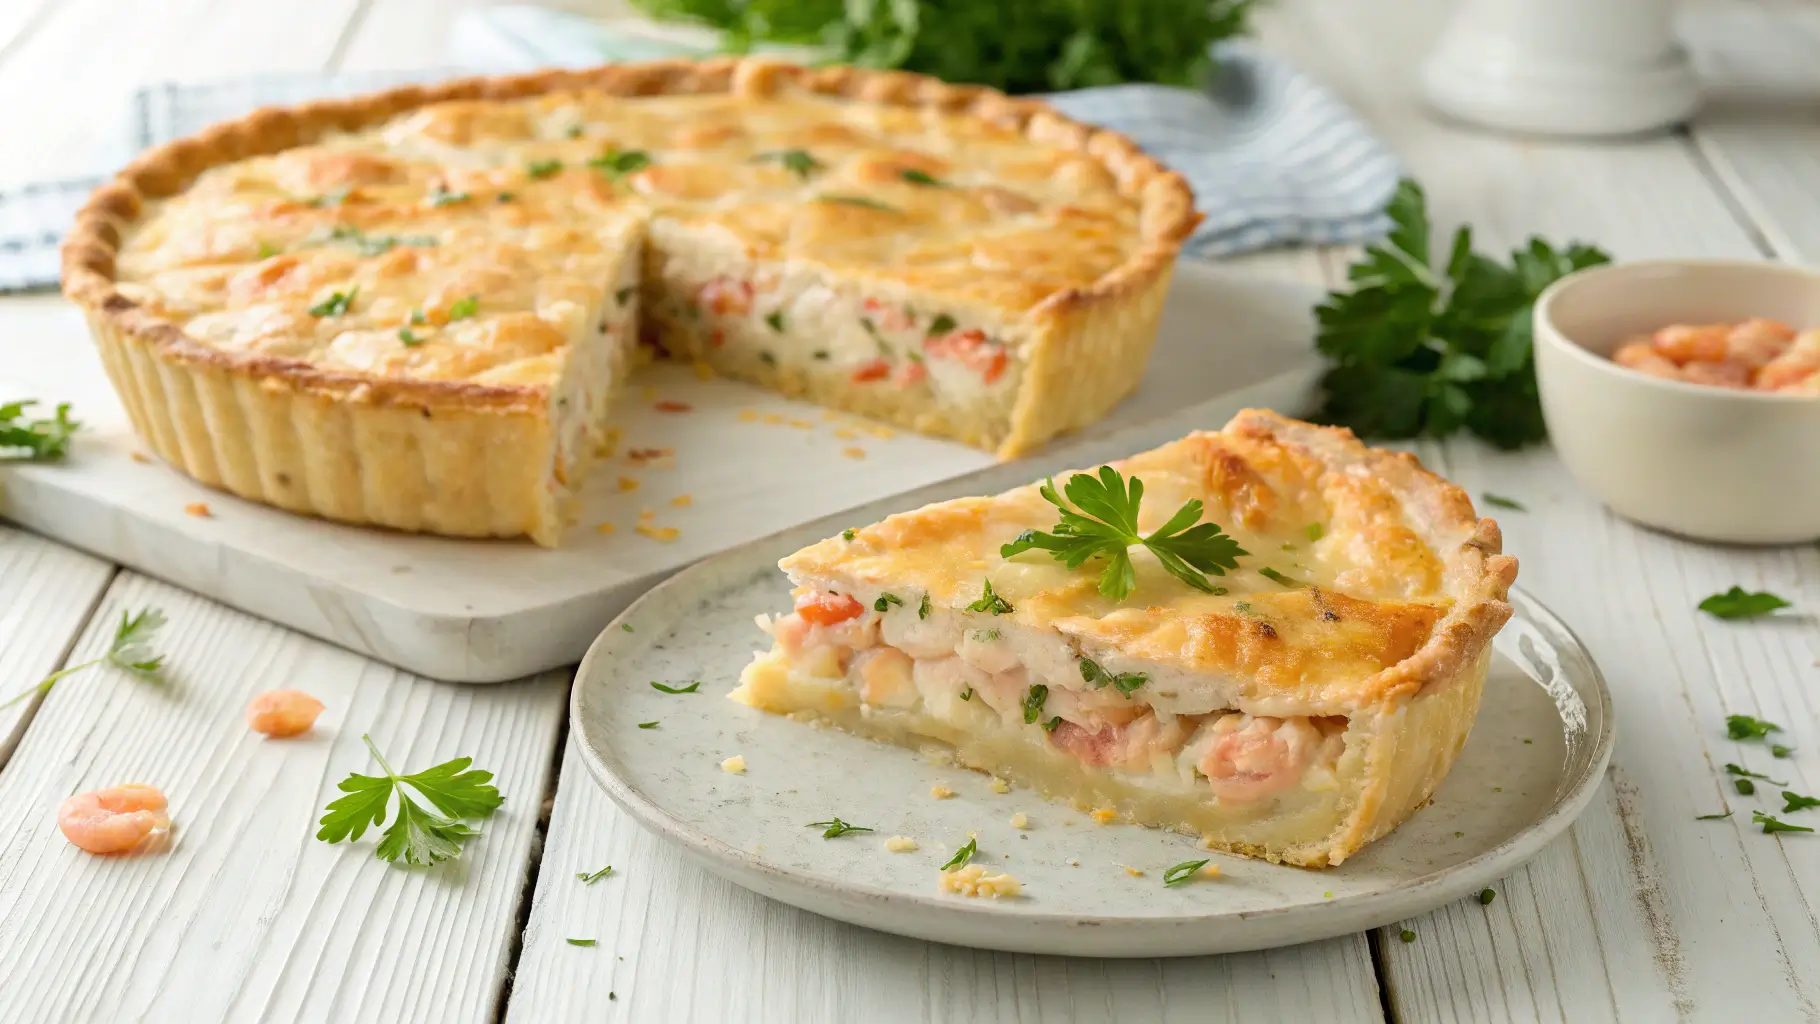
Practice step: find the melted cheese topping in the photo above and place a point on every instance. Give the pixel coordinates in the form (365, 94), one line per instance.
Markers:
(1372, 587)
(472, 240)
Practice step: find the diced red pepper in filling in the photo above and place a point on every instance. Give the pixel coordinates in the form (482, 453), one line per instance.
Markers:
(911, 373)
(724, 295)
(827, 609)
(887, 316)
(877, 369)
(973, 350)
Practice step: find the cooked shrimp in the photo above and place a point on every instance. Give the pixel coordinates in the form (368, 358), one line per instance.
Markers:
(1757, 341)
(1686, 343)
(113, 820)
(1641, 357)
(283, 712)
(1252, 758)
(1724, 374)
(1799, 361)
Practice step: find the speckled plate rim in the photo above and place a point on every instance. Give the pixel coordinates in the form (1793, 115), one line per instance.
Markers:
(987, 923)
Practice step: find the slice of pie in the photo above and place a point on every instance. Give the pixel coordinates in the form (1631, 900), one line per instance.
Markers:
(1290, 683)
(412, 309)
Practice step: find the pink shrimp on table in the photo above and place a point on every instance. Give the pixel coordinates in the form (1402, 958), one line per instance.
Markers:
(280, 713)
(114, 820)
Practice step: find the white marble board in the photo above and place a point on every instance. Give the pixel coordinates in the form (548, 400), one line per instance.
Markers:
(749, 463)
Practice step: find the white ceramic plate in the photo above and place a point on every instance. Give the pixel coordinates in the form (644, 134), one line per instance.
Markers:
(1535, 758)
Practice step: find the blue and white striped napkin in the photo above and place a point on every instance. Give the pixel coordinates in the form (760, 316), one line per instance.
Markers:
(1274, 159)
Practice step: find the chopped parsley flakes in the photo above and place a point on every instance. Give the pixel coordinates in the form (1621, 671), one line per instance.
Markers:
(1033, 702)
(885, 601)
(962, 855)
(461, 309)
(990, 602)
(835, 828)
(1097, 677)
(337, 304)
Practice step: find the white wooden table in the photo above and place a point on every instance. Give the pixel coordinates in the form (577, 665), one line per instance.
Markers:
(1641, 912)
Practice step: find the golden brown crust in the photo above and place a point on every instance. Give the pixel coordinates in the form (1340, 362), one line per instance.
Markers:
(90, 250)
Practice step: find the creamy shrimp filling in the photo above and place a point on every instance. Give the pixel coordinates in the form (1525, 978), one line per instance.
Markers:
(719, 306)
(903, 657)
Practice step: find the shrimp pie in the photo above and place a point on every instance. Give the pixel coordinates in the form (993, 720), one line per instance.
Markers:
(1272, 636)
(412, 309)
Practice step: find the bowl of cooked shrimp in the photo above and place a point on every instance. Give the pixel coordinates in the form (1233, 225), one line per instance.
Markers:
(1685, 394)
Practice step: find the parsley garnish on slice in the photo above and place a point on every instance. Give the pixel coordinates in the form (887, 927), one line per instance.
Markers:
(962, 855)
(836, 828)
(1314, 532)
(1050, 725)
(34, 440)
(942, 324)
(623, 296)
(337, 304)
(130, 651)
(775, 321)
(1712, 817)
(1770, 824)
(1277, 577)
(885, 601)
(1033, 702)
(922, 610)
(590, 878)
(419, 835)
(1183, 872)
(1097, 677)
(916, 177)
(691, 688)
(330, 199)
(848, 534)
(582, 942)
(627, 626)
(617, 164)
(796, 161)
(967, 694)
(1744, 727)
(267, 250)
(443, 197)
(1732, 769)
(860, 201)
(376, 245)
(990, 602)
(505, 197)
(1797, 802)
(1103, 522)
(543, 168)
(408, 338)
(461, 309)
(1500, 501)
(574, 131)
(1736, 603)
(1420, 349)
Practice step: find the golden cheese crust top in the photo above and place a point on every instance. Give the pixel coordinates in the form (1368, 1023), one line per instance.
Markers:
(1404, 585)
(467, 240)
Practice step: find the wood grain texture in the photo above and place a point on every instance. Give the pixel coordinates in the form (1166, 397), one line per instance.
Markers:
(246, 915)
(1641, 913)
(678, 944)
(47, 592)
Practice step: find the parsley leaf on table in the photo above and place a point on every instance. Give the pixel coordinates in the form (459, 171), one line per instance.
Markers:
(1744, 727)
(34, 440)
(1796, 802)
(1426, 350)
(130, 651)
(836, 828)
(1770, 824)
(1732, 769)
(418, 834)
(1737, 603)
(1102, 521)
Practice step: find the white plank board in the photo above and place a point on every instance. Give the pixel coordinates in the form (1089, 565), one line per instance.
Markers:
(246, 916)
(747, 462)
(1641, 912)
(677, 944)
(47, 592)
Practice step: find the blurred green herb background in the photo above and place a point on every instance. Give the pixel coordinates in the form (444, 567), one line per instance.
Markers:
(1018, 46)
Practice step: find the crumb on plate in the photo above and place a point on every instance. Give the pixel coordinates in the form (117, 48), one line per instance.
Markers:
(853, 453)
(604, 528)
(683, 500)
(1133, 872)
(1105, 815)
(735, 765)
(999, 785)
(972, 880)
(900, 844)
(666, 534)
(626, 483)
(940, 792)
(1020, 820)
(199, 509)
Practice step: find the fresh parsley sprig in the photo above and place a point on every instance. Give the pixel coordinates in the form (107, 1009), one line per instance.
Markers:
(1125, 682)
(34, 440)
(1420, 349)
(1744, 727)
(130, 651)
(1100, 520)
(962, 855)
(1771, 824)
(418, 834)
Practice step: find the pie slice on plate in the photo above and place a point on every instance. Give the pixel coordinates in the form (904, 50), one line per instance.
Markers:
(1287, 669)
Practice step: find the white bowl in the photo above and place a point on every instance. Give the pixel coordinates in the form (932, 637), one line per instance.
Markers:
(1712, 463)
